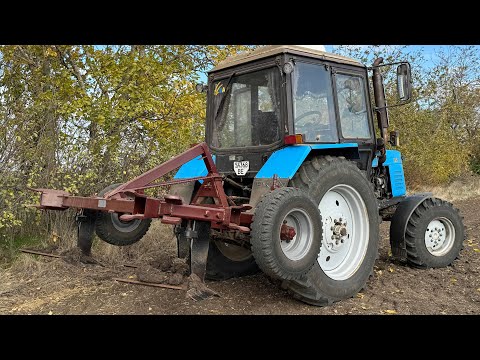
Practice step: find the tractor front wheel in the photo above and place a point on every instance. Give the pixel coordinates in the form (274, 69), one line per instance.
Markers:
(434, 234)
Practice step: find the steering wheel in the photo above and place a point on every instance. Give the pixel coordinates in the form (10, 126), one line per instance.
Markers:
(313, 128)
(308, 113)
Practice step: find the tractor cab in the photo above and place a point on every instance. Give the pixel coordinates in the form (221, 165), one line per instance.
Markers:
(282, 95)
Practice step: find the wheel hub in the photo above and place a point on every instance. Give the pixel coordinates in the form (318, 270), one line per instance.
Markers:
(337, 234)
(287, 233)
(439, 236)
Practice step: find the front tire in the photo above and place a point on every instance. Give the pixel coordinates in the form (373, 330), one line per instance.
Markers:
(434, 234)
(349, 249)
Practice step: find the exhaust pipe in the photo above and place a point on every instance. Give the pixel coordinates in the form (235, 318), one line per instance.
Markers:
(380, 108)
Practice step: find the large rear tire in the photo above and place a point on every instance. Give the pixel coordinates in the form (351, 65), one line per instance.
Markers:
(116, 232)
(349, 212)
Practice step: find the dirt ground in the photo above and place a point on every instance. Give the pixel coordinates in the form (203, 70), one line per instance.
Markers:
(38, 285)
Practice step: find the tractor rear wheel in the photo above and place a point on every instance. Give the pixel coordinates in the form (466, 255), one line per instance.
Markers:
(350, 238)
(114, 231)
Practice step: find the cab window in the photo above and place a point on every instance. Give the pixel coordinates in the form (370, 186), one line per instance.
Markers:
(352, 106)
(313, 105)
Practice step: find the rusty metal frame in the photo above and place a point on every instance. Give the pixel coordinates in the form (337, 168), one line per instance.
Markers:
(129, 199)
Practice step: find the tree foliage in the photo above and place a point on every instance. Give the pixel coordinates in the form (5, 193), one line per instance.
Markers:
(80, 118)
(439, 130)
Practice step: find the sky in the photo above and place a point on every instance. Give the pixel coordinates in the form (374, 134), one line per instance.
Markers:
(429, 52)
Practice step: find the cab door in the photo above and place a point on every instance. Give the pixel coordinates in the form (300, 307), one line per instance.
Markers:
(353, 112)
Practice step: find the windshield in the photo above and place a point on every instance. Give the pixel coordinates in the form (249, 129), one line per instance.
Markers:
(314, 110)
(250, 113)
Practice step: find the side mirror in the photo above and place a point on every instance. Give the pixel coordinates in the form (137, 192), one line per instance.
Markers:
(404, 82)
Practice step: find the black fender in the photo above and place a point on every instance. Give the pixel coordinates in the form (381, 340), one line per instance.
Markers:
(399, 222)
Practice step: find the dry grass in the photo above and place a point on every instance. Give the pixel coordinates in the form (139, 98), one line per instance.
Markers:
(159, 239)
(32, 283)
(460, 189)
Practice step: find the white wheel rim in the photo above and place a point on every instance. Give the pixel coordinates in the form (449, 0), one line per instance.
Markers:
(439, 236)
(345, 232)
(298, 247)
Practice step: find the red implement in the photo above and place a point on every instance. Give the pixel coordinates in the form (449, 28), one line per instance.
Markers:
(170, 209)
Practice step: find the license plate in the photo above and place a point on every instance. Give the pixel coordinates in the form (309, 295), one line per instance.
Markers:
(241, 167)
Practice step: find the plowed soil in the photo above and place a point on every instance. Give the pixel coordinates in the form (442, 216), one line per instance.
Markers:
(53, 286)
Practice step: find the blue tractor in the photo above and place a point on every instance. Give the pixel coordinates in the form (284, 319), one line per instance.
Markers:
(292, 132)
(291, 180)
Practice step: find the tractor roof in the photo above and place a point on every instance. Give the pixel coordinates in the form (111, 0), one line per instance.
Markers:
(270, 50)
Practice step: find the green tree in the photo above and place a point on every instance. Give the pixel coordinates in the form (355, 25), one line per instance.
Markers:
(433, 128)
(79, 118)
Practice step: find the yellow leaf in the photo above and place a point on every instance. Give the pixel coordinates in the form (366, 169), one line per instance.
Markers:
(50, 312)
(478, 289)
(453, 280)
(360, 295)
(131, 277)
(50, 52)
(476, 250)
(390, 311)
(390, 269)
